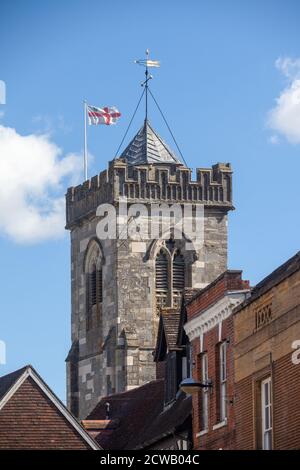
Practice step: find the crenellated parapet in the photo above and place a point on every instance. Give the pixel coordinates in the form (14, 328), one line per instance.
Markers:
(150, 183)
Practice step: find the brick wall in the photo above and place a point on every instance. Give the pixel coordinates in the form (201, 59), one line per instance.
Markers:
(219, 434)
(244, 414)
(264, 349)
(224, 437)
(285, 407)
(29, 420)
(228, 281)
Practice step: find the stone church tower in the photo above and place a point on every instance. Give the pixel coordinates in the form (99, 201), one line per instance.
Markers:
(118, 285)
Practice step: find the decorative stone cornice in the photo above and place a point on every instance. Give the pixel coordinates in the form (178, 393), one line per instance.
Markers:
(215, 314)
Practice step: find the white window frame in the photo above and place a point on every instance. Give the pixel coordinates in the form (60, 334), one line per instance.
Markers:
(182, 445)
(223, 381)
(266, 413)
(204, 397)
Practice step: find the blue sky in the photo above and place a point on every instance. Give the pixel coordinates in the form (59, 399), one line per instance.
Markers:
(229, 84)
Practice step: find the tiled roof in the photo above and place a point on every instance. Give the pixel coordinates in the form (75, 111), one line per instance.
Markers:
(188, 293)
(134, 409)
(147, 147)
(141, 416)
(32, 417)
(167, 421)
(171, 319)
(168, 332)
(171, 334)
(7, 381)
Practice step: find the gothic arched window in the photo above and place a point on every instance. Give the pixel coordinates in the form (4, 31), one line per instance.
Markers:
(169, 276)
(93, 285)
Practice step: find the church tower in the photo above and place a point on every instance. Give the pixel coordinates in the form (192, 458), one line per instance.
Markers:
(118, 285)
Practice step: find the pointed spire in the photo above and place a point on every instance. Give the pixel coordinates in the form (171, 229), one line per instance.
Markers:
(147, 147)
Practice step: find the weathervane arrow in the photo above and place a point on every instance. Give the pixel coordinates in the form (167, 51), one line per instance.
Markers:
(147, 63)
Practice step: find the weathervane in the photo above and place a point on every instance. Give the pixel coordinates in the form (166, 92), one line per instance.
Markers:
(147, 62)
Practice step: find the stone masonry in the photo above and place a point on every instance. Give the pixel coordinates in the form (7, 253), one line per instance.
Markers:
(115, 354)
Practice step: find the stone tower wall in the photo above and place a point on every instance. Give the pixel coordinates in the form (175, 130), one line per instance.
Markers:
(117, 355)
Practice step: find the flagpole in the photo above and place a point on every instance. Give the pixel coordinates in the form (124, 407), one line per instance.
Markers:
(85, 144)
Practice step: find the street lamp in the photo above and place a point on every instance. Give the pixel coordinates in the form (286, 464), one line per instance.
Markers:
(191, 386)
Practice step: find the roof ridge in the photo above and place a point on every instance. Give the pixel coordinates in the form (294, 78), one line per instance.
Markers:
(9, 388)
(15, 371)
(7, 381)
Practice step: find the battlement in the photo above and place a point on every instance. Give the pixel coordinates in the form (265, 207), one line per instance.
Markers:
(149, 184)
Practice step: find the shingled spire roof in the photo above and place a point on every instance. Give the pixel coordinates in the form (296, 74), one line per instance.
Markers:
(147, 147)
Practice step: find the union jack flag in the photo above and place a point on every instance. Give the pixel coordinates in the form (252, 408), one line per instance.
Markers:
(107, 115)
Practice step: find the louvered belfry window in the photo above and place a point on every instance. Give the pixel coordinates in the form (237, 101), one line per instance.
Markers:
(99, 286)
(178, 278)
(93, 268)
(169, 288)
(178, 272)
(95, 287)
(95, 296)
(92, 287)
(161, 271)
(161, 280)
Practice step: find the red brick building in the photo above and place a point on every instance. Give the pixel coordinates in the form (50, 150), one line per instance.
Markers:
(33, 418)
(210, 330)
(267, 362)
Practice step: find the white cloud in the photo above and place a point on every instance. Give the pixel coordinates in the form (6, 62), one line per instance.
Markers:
(274, 139)
(32, 177)
(44, 124)
(284, 118)
(49, 125)
(289, 67)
